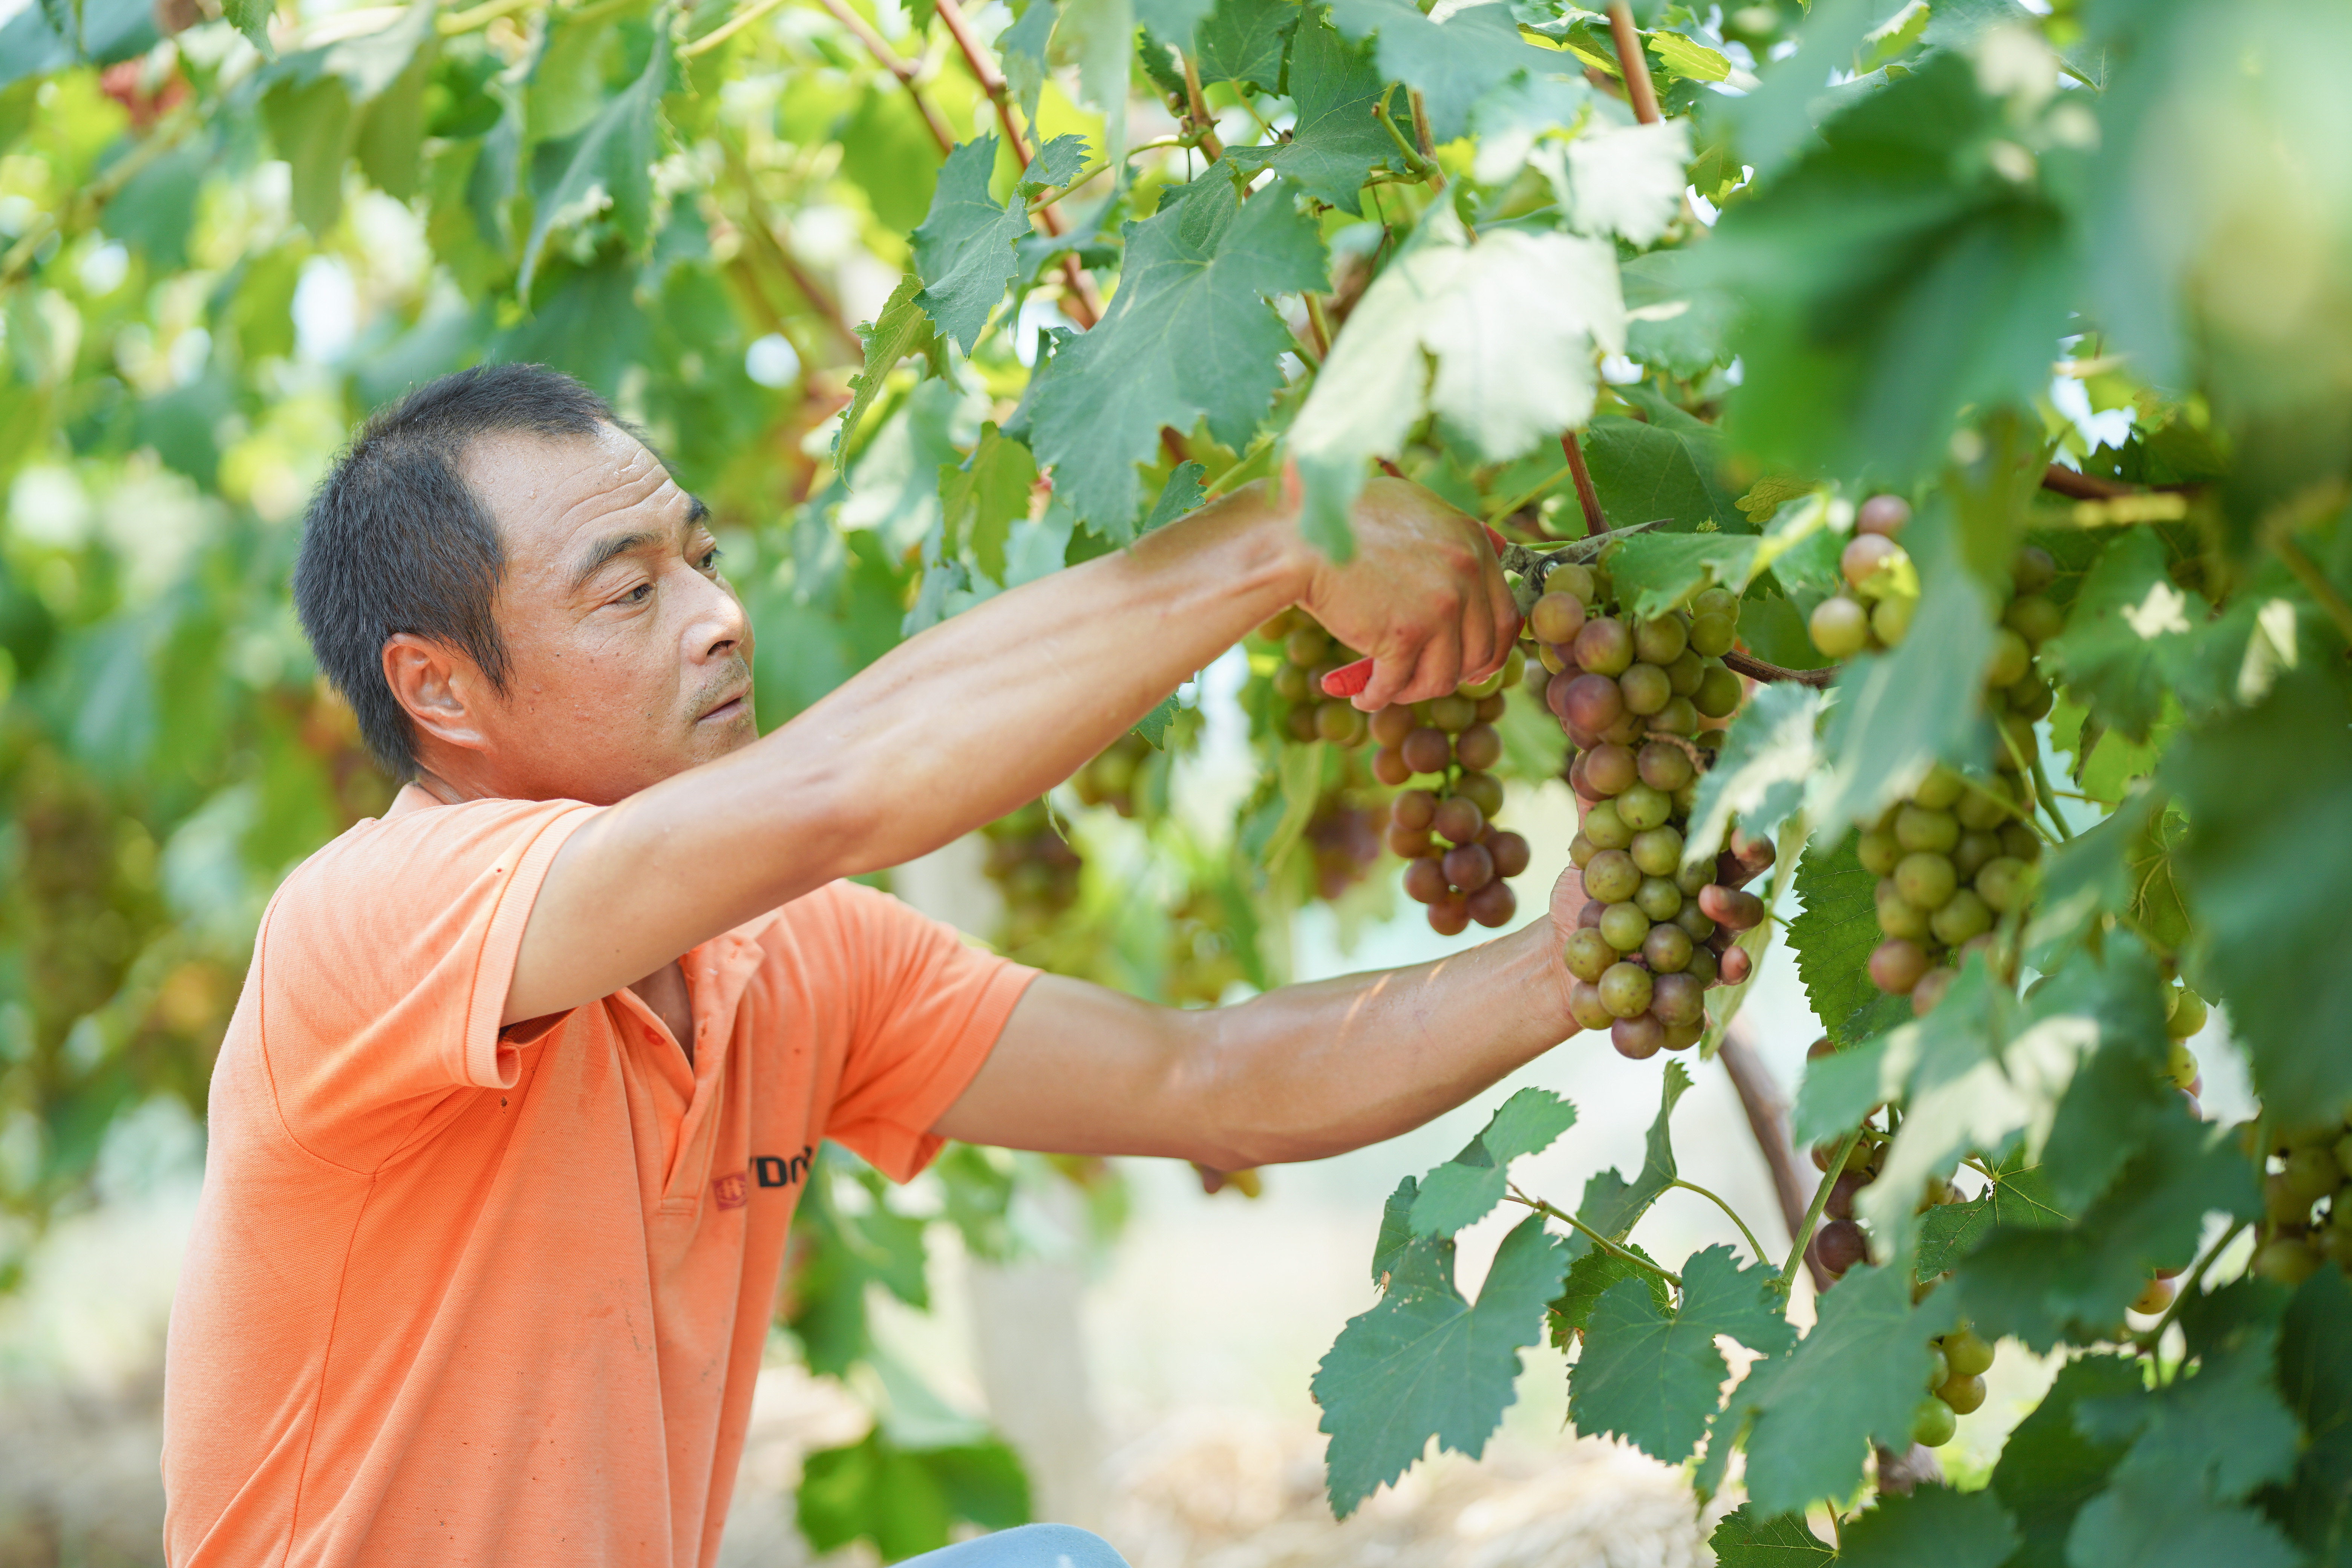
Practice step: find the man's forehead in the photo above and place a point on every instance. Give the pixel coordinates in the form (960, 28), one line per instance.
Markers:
(543, 492)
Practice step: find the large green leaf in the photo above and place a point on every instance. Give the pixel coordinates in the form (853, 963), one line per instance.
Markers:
(1663, 468)
(1425, 1363)
(1190, 336)
(1833, 937)
(1930, 1527)
(1452, 64)
(1654, 1378)
(1760, 774)
(1466, 1188)
(1334, 140)
(1612, 1204)
(963, 251)
(607, 167)
(1743, 1539)
(907, 1500)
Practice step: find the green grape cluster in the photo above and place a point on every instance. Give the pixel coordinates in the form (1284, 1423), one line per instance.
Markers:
(1955, 1385)
(1036, 869)
(1302, 711)
(2306, 1209)
(1882, 591)
(1642, 702)
(1110, 776)
(1458, 863)
(2184, 1014)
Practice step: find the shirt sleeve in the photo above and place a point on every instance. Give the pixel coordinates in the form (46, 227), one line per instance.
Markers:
(925, 1009)
(383, 965)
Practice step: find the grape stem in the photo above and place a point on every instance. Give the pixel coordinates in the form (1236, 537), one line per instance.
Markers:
(1755, 1247)
(1598, 1240)
(2041, 788)
(1756, 668)
(1813, 1215)
(2149, 1341)
(1413, 160)
(1588, 499)
(1639, 90)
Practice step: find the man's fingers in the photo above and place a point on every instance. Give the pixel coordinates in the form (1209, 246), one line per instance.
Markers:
(1349, 680)
(1392, 669)
(1437, 672)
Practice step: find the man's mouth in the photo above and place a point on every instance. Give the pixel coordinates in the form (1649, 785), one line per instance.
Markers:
(728, 710)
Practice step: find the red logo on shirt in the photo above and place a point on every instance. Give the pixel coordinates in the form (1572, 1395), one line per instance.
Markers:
(733, 1191)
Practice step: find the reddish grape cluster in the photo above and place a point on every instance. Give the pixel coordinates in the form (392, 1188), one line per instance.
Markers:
(1639, 700)
(1109, 778)
(1457, 862)
(1305, 711)
(1036, 869)
(1345, 839)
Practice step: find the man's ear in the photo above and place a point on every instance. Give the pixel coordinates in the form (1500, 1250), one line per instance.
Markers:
(441, 689)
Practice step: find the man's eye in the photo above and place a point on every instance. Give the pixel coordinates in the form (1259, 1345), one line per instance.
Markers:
(637, 595)
(711, 558)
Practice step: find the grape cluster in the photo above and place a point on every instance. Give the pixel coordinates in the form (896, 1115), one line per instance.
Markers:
(1110, 776)
(1302, 711)
(1955, 1385)
(1882, 591)
(1344, 836)
(2306, 1209)
(2184, 1016)
(1036, 869)
(1639, 698)
(1457, 862)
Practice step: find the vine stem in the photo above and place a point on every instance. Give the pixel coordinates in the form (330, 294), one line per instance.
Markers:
(1757, 669)
(2042, 787)
(1588, 498)
(1639, 90)
(1084, 296)
(2190, 1281)
(768, 228)
(1813, 1215)
(1197, 104)
(721, 33)
(1598, 1240)
(1428, 148)
(1755, 1247)
(897, 65)
(166, 135)
(1412, 158)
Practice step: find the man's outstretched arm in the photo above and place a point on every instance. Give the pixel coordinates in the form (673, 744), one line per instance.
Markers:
(956, 727)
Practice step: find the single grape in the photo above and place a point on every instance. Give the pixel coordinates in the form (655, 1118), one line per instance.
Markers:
(2004, 883)
(1878, 852)
(1715, 601)
(1666, 948)
(1605, 646)
(1919, 827)
(2152, 1301)
(1625, 990)
(1718, 692)
(1305, 644)
(1427, 751)
(2017, 736)
(1824, 1047)
(1897, 964)
(1843, 1192)
(1712, 635)
(1573, 579)
(2034, 618)
(2311, 1173)
(1890, 619)
(1963, 916)
(1414, 808)
(1611, 770)
(1646, 688)
(1453, 714)
(1658, 851)
(1625, 926)
(1925, 880)
(1584, 1005)
(1587, 954)
(1493, 905)
(2011, 661)
(1390, 768)
(2031, 699)
(1552, 660)
(1968, 1355)
(1840, 1245)
(1591, 703)
(1629, 728)
(1659, 897)
(1479, 746)
(1299, 722)
(1940, 789)
(1392, 723)
(1606, 825)
(1682, 1036)
(1660, 764)
(2186, 1015)
(1468, 867)
(1694, 920)
(1637, 1038)
(1882, 514)
(1482, 790)
(1840, 627)
(1449, 917)
(1340, 723)
(1556, 617)
(2033, 569)
(1410, 842)
(1290, 682)
(1866, 556)
(1580, 850)
(1679, 717)
(1932, 1424)
(1424, 880)
(1510, 852)
(1975, 851)
(1703, 965)
(1678, 998)
(1939, 1371)
(1931, 988)
(2020, 842)
(1493, 707)
(1661, 641)
(1643, 807)
(1458, 820)
(2286, 1260)
(1731, 907)
(1690, 878)
(1276, 627)
(1684, 673)
(1612, 878)
(1589, 917)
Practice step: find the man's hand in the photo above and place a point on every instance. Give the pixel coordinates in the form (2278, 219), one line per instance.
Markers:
(1424, 595)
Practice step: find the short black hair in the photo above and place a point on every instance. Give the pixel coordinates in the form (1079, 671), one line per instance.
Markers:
(396, 541)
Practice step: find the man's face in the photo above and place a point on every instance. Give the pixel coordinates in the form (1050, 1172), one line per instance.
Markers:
(629, 656)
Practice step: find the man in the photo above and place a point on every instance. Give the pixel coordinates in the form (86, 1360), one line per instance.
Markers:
(507, 1130)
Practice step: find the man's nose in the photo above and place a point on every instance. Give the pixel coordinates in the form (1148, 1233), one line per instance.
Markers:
(719, 629)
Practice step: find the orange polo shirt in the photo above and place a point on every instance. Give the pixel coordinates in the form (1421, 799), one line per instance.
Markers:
(465, 1295)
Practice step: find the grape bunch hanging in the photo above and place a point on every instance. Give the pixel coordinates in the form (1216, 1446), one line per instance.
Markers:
(1642, 702)
(1457, 862)
(1034, 869)
(2306, 1201)
(1305, 712)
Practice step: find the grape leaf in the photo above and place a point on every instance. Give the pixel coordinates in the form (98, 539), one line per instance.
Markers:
(1744, 1540)
(2136, 1525)
(1396, 1232)
(608, 165)
(1653, 573)
(2048, 1470)
(1427, 1363)
(1838, 1089)
(2112, 655)
(981, 499)
(1672, 320)
(2314, 1366)
(901, 332)
(1930, 1527)
(1760, 774)
(963, 251)
(2043, 1286)
(2118, 1096)
(1243, 40)
(1511, 322)
(1451, 64)
(1622, 180)
(1591, 1273)
(1833, 936)
(1612, 1206)
(907, 1500)
(1179, 497)
(2270, 842)
(1188, 336)
(1666, 467)
(1654, 1378)
(1857, 1377)
(1023, 48)
(2018, 1196)
(1686, 57)
(1466, 1188)
(1334, 140)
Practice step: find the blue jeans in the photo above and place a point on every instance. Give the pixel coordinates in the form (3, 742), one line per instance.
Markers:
(1029, 1546)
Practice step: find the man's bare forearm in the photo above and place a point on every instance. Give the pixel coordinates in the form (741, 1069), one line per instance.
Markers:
(1299, 1073)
